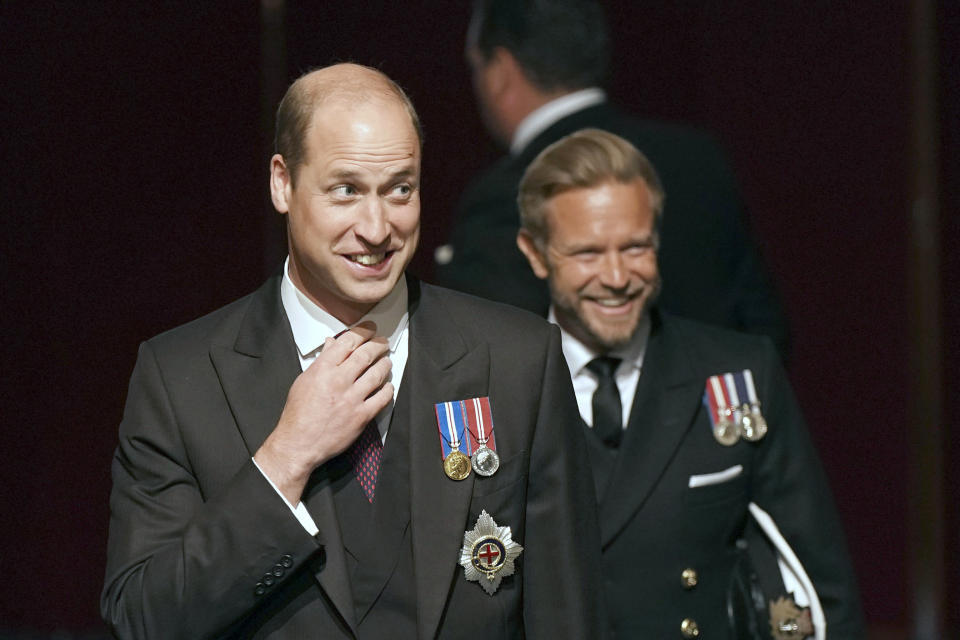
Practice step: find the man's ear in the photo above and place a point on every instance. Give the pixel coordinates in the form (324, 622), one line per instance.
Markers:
(501, 71)
(537, 260)
(281, 190)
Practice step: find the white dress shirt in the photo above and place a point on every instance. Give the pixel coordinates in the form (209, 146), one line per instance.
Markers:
(627, 374)
(539, 119)
(311, 326)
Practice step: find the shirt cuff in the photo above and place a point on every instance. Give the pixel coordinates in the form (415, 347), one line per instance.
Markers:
(299, 511)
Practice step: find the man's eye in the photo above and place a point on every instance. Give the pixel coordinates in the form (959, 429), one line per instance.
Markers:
(402, 190)
(586, 254)
(639, 249)
(345, 190)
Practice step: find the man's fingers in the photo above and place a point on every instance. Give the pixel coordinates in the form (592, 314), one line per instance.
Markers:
(339, 348)
(365, 356)
(379, 399)
(373, 378)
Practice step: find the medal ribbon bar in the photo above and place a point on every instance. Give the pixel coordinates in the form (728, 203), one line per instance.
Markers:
(715, 400)
(751, 389)
(452, 428)
(480, 422)
(733, 382)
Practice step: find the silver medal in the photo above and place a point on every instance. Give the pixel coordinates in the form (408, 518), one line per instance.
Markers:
(485, 461)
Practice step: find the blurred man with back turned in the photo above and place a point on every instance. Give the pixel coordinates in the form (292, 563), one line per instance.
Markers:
(538, 68)
(715, 515)
(346, 452)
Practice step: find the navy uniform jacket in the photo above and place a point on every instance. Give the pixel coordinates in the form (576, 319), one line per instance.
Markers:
(710, 268)
(195, 526)
(654, 526)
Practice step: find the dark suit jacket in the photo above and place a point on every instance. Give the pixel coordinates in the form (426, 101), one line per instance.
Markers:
(195, 526)
(710, 268)
(653, 525)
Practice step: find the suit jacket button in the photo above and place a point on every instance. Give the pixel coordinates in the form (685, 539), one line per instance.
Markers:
(689, 628)
(688, 578)
(286, 560)
(260, 589)
(278, 570)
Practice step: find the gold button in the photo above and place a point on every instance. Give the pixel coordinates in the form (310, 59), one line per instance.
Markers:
(688, 578)
(689, 628)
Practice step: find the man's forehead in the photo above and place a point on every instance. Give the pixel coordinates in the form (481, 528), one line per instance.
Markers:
(348, 104)
(609, 200)
(339, 117)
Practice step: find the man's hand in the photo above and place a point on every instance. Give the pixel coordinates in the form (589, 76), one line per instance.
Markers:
(327, 408)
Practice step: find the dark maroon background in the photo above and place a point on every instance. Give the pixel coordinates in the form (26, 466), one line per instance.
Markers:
(134, 187)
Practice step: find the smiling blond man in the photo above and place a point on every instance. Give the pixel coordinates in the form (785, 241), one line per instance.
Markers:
(347, 452)
(700, 508)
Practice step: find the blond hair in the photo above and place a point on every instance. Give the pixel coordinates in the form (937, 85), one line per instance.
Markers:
(582, 159)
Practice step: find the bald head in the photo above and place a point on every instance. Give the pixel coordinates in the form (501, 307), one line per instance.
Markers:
(340, 83)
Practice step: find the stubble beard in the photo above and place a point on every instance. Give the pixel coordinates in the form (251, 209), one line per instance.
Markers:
(595, 334)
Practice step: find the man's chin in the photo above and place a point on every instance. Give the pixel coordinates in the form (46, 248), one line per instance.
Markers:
(612, 335)
(610, 342)
(372, 292)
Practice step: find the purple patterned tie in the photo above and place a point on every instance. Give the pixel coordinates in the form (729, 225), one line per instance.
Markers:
(364, 455)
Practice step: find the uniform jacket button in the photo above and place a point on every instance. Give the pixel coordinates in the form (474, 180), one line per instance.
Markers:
(689, 628)
(688, 578)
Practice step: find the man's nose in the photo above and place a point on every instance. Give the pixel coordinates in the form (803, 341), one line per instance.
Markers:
(613, 272)
(372, 226)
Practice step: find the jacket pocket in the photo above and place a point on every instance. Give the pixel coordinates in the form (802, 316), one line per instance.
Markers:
(510, 472)
(716, 487)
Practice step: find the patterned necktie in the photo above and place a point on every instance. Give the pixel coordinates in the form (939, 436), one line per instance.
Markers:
(607, 409)
(364, 455)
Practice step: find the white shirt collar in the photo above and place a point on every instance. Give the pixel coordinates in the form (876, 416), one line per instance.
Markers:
(311, 325)
(539, 119)
(578, 354)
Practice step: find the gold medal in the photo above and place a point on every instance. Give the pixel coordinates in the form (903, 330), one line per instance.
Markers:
(456, 465)
(726, 431)
(752, 422)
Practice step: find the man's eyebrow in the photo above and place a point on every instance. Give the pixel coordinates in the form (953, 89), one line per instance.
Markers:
(405, 172)
(346, 174)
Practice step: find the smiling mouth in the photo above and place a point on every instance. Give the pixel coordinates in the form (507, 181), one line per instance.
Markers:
(368, 259)
(613, 302)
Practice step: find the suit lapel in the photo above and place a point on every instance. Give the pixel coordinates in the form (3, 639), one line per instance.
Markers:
(257, 369)
(664, 406)
(440, 367)
(256, 372)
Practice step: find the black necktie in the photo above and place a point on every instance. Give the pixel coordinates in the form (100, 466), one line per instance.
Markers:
(607, 410)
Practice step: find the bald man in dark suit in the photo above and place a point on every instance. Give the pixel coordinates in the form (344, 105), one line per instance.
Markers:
(346, 452)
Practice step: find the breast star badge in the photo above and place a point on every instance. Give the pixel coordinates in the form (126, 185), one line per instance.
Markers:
(488, 553)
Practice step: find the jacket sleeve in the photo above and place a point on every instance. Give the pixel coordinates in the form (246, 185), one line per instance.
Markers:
(791, 486)
(182, 564)
(562, 547)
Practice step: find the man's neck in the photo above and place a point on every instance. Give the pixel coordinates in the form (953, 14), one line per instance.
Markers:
(578, 354)
(550, 109)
